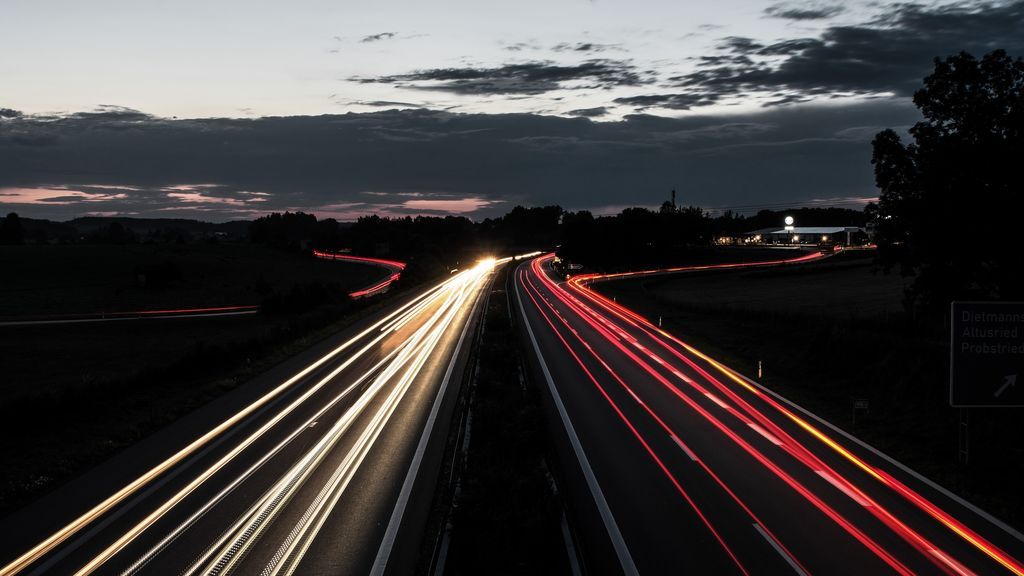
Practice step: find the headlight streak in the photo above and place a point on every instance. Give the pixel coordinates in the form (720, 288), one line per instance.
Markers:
(943, 560)
(443, 291)
(260, 516)
(48, 545)
(291, 552)
(289, 555)
(174, 534)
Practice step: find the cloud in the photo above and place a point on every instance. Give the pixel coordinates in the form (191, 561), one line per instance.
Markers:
(421, 161)
(378, 37)
(535, 77)
(582, 47)
(520, 46)
(889, 55)
(385, 104)
(596, 112)
(682, 101)
(804, 12)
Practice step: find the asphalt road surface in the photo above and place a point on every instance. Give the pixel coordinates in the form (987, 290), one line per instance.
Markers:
(680, 465)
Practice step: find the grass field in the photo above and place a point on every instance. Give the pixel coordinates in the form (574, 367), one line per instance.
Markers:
(841, 287)
(88, 278)
(72, 394)
(832, 332)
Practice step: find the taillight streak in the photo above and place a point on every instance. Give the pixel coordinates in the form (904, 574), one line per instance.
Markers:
(661, 465)
(756, 454)
(578, 284)
(664, 426)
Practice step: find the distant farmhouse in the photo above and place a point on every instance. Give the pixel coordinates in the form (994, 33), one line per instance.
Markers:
(791, 235)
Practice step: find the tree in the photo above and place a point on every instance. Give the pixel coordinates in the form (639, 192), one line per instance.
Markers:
(11, 231)
(945, 212)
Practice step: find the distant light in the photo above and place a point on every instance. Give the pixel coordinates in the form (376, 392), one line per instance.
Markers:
(824, 238)
(789, 220)
(796, 238)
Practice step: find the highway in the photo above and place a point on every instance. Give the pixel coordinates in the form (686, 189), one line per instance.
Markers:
(678, 464)
(328, 468)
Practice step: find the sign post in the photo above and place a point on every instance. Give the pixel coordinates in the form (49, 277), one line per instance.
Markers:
(859, 404)
(986, 354)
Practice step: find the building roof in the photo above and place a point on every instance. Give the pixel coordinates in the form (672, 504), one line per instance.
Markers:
(812, 230)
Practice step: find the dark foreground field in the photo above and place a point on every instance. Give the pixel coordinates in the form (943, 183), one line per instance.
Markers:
(88, 278)
(72, 394)
(833, 332)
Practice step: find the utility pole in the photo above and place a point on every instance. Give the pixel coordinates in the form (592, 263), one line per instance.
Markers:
(673, 199)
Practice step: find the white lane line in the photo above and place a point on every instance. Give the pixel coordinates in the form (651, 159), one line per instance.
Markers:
(384, 552)
(723, 405)
(906, 469)
(792, 564)
(618, 543)
(771, 438)
(839, 486)
(684, 447)
(956, 566)
(682, 376)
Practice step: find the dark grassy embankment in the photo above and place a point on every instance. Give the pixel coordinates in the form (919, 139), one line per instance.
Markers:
(71, 395)
(506, 516)
(831, 332)
(43, 279)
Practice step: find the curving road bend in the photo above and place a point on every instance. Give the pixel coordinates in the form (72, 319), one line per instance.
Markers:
(685, 466)
(326, 471)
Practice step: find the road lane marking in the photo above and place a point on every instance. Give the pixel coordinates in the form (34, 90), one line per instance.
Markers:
(725, 406)
(956, 566)
(789, 560)
(618, 543)
(771, 438)
(845, 490)
(684, 447)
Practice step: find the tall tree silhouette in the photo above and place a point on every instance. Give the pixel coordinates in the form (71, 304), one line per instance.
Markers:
(945, 210)
(11, 231)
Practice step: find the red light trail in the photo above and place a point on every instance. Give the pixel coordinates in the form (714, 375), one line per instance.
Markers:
(666, 360)
(392, 266)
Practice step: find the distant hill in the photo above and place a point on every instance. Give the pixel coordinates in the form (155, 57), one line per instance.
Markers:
(144, 226)
(42, 231)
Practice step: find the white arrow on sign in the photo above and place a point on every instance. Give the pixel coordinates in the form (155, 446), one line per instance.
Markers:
(1008, 381)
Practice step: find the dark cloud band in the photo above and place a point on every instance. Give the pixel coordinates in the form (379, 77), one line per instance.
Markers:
(411, 161)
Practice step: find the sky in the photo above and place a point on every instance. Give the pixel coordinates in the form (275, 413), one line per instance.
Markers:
(230, 109)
